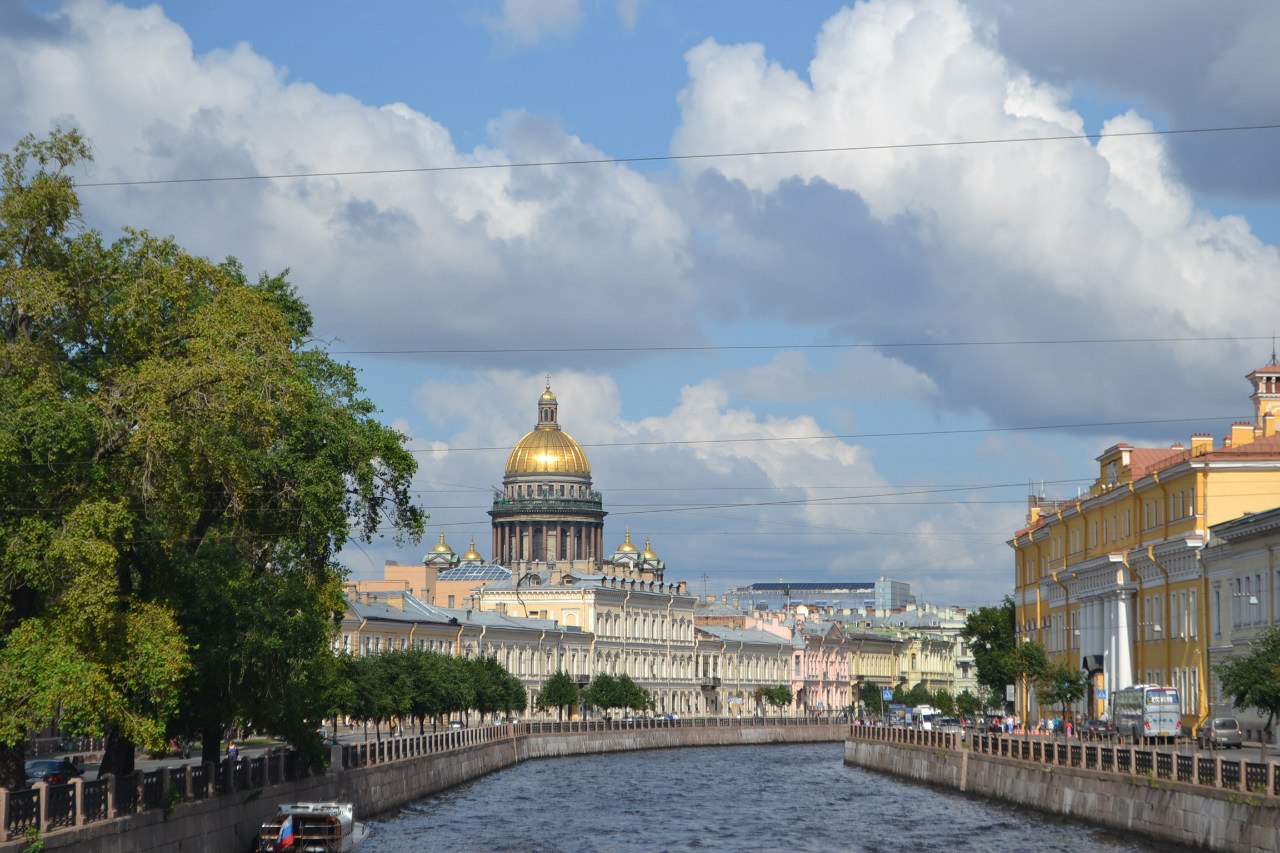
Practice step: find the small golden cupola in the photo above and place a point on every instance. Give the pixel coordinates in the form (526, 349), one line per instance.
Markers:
(472, 555)
(626, 547)
(647, 554)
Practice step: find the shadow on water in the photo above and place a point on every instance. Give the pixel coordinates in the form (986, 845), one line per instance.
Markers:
(798, 798)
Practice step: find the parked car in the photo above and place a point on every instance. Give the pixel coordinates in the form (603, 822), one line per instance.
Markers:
(1220, 731)
(51, 771)
(456, 724)
(1096, 730)
(949, 725)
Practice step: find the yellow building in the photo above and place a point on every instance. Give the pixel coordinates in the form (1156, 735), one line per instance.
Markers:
(1112, 581)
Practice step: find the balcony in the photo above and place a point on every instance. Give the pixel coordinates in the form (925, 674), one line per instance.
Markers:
(710, 682)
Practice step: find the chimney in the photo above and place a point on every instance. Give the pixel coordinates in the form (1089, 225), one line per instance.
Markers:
(1268, 424)
(1201, 443)
(1241, 434)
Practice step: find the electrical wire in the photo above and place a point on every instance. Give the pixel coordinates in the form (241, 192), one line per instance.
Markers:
(669, 158)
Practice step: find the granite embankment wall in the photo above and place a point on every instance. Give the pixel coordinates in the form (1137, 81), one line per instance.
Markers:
(1159, 809)
(229, 823)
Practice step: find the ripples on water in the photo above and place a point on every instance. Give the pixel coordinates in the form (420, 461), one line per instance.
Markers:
(798, 798)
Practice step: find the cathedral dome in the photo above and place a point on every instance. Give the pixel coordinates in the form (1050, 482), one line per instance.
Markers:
(548, 449)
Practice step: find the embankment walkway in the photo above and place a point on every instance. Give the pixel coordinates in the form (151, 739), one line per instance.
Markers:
(219, 807)
(1197, 800)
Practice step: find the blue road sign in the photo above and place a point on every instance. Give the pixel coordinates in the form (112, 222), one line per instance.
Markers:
(886, 694)
(1101, 693)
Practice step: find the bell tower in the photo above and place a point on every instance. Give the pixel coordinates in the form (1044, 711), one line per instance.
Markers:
(1266, 395)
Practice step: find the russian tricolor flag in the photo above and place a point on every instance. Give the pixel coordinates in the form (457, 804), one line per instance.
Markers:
(285, 839)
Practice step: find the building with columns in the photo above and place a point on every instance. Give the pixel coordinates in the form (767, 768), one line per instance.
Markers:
(547, 512)
(1113, 581)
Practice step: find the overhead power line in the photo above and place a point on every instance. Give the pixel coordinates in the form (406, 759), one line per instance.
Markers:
(855, 436)
(758, 347)
(661, 158)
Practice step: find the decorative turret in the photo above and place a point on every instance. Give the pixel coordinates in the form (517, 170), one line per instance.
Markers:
(1266, 396)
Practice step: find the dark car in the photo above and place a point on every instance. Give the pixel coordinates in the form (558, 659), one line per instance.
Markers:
(1096, 729)
(52, 771)
(1220, 731)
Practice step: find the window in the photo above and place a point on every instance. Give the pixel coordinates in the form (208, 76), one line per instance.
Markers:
(1193, 618)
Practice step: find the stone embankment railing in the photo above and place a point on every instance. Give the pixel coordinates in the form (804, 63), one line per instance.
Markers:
(1211, 770)
(48, 808)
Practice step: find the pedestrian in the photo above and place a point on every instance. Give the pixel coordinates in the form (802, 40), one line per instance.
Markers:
(232, 752)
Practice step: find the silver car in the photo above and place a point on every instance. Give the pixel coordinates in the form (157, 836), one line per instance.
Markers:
(1220, 732)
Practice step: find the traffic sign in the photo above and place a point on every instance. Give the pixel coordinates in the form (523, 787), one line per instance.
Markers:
(1100, 693)
(886, 693)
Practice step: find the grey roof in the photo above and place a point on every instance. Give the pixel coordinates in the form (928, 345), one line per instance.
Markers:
(744, 635)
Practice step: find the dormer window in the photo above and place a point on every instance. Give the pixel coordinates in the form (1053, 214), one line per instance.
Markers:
(1112, 473)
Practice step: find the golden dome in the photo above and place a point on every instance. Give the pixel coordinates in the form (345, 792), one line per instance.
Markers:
(626, 547)
(647, 553)
(472, 555)
(442, 547)
(547, 396)
(547, 451)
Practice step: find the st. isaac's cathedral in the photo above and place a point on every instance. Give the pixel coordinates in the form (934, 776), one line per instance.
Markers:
(554, 599)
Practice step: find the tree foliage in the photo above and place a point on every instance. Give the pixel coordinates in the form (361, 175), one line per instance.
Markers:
(989, 632)
(1060, 684)
(777, 696)
(421, 685)
(607, 691)
(1252, 680)
(559, 691)
(181, 466)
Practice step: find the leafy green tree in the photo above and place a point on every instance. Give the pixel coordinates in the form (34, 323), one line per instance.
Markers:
(1252, 680)
(920, 695)
(778, 696)
(1030, 661)
(989, 632)
(968, 704)
(945, 703)
(181, 465)
(870, 695)
(1060, 684)
(559, 691)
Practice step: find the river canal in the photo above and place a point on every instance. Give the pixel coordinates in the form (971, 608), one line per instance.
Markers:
(798, 798)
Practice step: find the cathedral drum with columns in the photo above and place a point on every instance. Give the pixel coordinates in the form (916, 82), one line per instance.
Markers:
(547, 512)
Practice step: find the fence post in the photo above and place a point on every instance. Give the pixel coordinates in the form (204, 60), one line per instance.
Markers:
(138, 778)
(1217, 771)
(1244, 782)
(111, 796)
(188, 787)
(77, 792)
(42, 802)
(164, 786)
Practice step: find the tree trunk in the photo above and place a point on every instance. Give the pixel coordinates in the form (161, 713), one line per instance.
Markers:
(13, 771)
(117, 755)
(210, 745)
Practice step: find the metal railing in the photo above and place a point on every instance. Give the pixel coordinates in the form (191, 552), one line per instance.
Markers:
(48, 808)
(1150, 761)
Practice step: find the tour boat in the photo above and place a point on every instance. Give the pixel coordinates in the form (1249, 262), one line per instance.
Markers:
(313, 828)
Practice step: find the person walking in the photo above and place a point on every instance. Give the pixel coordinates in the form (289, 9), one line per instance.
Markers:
(232, 752)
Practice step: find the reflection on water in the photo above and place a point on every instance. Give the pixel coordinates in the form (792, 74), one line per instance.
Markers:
(744, 798)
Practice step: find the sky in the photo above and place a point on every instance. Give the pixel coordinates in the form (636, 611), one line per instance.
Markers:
(827, 365)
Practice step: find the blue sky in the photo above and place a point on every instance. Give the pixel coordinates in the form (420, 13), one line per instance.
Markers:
(885, 290)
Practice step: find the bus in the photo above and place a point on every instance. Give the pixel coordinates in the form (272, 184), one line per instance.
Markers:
(1146, 711)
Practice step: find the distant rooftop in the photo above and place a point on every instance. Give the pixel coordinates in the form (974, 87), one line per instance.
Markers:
(829, 586)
